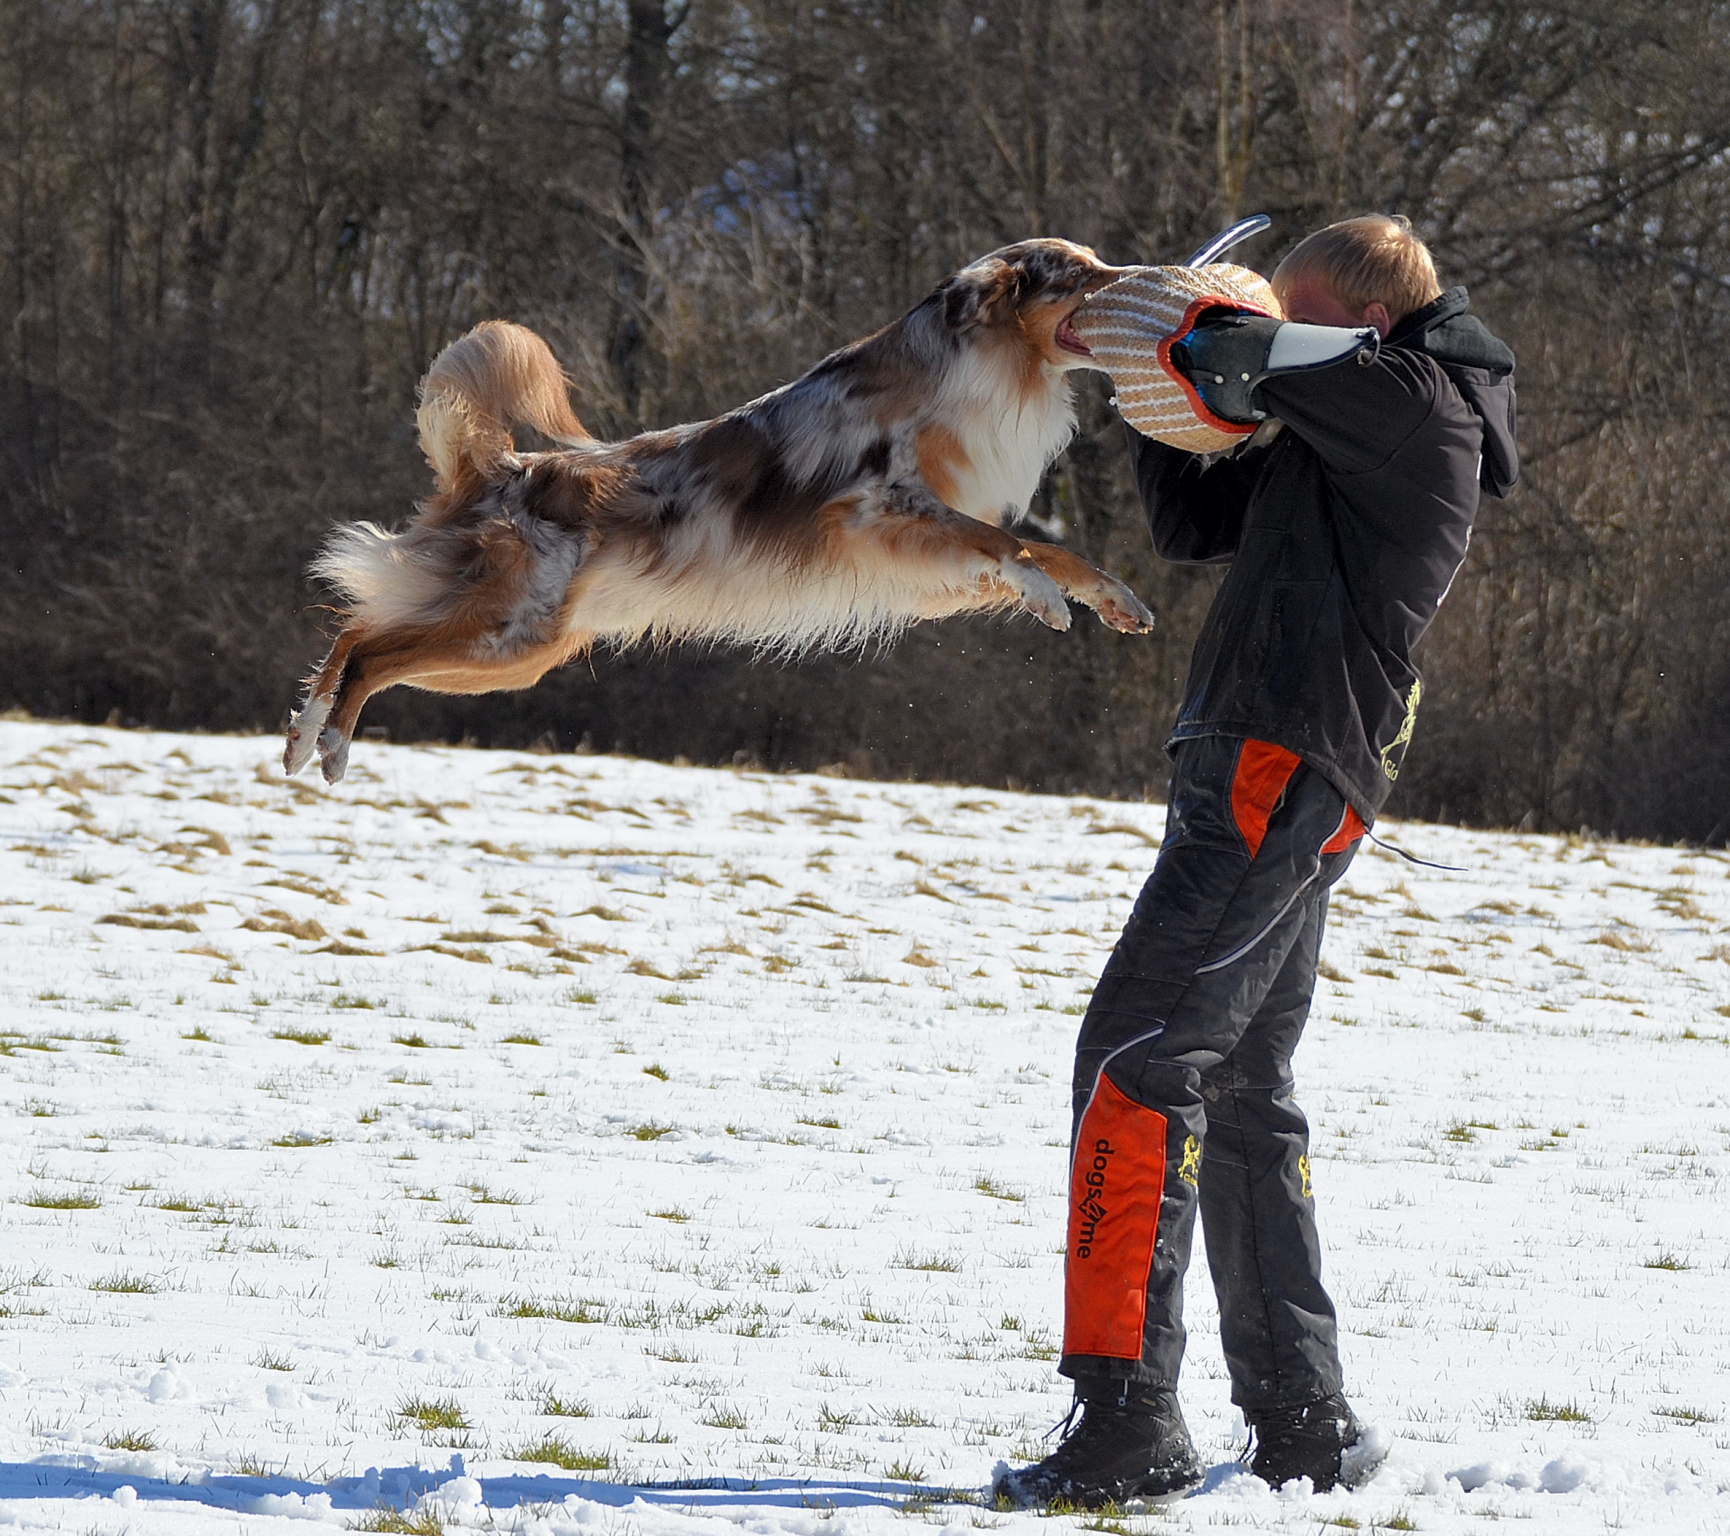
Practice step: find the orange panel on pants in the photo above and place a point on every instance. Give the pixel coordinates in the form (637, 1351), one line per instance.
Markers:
(1116, 1184)
(1263, 771)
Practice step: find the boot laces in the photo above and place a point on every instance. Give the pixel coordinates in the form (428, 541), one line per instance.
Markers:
(1067, 1425)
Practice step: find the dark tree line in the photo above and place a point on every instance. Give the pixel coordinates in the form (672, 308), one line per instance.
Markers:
(234, 232)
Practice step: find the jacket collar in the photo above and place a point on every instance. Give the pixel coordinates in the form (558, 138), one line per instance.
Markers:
(1446, 331)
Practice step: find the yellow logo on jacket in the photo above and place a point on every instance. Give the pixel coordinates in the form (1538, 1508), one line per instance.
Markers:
(1391, 766)
(1189, 1170)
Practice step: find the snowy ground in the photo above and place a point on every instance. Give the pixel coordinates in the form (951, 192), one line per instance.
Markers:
(545, 1133)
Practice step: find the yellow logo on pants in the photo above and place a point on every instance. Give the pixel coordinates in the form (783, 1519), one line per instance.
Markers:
(1304, 1173)
(1189, 1170)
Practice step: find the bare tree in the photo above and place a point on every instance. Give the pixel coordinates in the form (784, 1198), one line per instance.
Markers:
(235, 234)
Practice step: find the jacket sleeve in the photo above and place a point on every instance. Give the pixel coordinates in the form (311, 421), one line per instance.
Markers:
(1355, 416)
(1195, 509)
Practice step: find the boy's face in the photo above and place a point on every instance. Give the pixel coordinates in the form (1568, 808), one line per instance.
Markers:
(1311, 302)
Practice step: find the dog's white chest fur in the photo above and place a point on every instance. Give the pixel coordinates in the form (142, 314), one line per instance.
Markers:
(1008, 435)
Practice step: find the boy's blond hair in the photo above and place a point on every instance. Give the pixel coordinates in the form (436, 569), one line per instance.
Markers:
(1376, 259)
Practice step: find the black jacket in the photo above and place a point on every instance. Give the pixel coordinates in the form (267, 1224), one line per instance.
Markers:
(1343, 535)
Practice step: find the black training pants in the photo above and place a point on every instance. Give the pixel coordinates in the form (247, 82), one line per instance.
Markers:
(1183, 1087)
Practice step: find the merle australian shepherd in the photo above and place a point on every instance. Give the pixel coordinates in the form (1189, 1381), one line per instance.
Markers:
(859, 499)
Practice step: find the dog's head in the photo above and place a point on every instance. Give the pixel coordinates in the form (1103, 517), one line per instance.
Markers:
(1028, 291)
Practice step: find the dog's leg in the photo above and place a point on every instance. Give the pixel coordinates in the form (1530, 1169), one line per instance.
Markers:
(307, 723)
(972, 564)
(1116, 605)
(438, 665)
(368, 672)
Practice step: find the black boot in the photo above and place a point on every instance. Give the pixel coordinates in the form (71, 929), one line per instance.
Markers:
(1129, 1443)
(1307, 1441)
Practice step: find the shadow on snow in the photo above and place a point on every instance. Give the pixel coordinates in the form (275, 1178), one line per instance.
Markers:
(74, 1477)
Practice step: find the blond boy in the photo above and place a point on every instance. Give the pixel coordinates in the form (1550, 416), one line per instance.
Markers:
(1343, 529)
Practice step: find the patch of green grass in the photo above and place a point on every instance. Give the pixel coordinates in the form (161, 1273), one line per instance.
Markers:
(1664, 1259)
(559, 1309)
(1038, 1346)
(271, 1360)
(672, 1213)
(122, 1284)
(77, 1200)
(559, 1452)
(301, 1139)
(302, 1036)
(197, 1032)
(719, 1415)
(655, 1069)
(821, 1122)
(384, 1518)
(934, 1263)
(428, 1414)
(649, 1131)
(1544, 1411)
(834, 1421)
(548, 1401)
(902, 1470)
(1687, 1415)
(986, 1185)
(521, 1040)
(416, 1041)
(129, 1440)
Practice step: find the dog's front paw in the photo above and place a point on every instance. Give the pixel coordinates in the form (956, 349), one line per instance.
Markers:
(1039, 595)
(303, 731)
(1120, 609)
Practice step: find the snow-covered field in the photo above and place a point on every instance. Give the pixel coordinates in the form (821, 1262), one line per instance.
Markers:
(558, 1144)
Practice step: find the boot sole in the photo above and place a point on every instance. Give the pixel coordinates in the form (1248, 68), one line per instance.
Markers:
(1170, 1496)
(1130, 1496)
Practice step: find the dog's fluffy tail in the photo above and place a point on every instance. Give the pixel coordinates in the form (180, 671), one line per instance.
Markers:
(497, 375)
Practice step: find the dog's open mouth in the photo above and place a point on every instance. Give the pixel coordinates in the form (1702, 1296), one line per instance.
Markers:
(1068, 340)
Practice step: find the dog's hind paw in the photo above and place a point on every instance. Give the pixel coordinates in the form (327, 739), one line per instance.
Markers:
(303, 731)
(332, 754)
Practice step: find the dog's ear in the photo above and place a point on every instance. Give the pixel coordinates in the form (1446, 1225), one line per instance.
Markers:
(982, 294)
